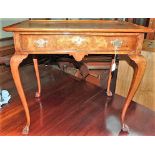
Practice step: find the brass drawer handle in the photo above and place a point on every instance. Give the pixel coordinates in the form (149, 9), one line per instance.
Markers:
(78, 40)
(116, 43)
(41, 43)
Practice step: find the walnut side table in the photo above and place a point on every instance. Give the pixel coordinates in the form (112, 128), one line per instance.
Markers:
(77, 38)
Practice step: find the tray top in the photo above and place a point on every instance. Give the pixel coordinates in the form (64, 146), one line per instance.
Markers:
(76, 26)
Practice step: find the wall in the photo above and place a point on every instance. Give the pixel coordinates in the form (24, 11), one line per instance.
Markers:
(8, 21)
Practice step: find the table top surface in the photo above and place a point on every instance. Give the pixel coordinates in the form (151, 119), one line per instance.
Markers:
(76, 26)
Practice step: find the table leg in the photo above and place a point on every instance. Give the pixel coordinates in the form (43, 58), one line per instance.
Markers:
(15, 61)
(109, 93)
(35, 61)
(140, 64)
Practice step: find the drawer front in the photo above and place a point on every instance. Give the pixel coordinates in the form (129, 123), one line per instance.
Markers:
(87, 43)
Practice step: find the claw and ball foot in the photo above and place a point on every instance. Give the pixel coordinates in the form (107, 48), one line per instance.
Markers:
(109, 93)
(37, 94)
(125, 127)
(25, 130)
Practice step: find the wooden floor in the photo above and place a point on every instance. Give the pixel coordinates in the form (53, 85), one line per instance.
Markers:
(68, 106)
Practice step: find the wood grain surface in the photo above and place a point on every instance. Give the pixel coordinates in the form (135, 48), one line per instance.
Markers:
(69, 107)
(76, 25)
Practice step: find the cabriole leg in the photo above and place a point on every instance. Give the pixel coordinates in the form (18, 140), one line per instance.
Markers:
(35, 61)
(109, 93)
(140, 65)
(15, 61)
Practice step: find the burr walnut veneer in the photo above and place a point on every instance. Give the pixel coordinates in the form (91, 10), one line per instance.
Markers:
(77, 38)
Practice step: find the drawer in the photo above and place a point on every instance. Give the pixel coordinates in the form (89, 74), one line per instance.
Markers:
(87, 43)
